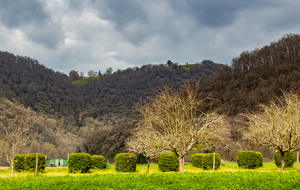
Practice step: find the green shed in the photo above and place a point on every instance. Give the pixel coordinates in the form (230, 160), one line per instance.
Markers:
(57, 162)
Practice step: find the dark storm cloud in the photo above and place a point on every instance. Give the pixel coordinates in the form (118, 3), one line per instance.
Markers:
(18, 13)
(49, 35)
(217, 13)
(123, 12)
(134, 18)
(125, 15)
(31, 17)
(97, 34)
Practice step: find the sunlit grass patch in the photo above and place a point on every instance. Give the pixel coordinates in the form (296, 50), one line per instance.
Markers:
(203, 180)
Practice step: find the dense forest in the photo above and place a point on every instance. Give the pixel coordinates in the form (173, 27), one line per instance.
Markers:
(257, 76)
(98, 116)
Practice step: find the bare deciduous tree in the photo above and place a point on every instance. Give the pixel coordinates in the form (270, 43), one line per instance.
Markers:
(16, 129)
(176, 119)
(278, 125)
(145, 142)
(92, 73)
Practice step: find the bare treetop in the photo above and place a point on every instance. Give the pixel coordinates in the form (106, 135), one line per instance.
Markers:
(16, 132)
(278, 125)
(177, 122)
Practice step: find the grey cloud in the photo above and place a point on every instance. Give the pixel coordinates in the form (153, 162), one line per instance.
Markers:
(49, 35)
(32, 19)
(126, 32)
(17, 13)
(128, 17)
(123, 12)
(216, 13)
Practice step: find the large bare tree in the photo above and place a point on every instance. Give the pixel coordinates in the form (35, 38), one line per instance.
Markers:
(277, 125)
(16, 128)
(175, 118)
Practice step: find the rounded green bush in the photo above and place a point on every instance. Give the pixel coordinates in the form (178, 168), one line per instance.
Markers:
(208, 161)
(79, 162)
(289, 159)
(98, 162)
(197, 159)
(30, 162)
(249, 159)
(19, 162)
(125, 162)
(168, 162)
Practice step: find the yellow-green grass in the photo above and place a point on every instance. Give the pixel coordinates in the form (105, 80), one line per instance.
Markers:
(187, 67)
(83, 81)
(187, 180)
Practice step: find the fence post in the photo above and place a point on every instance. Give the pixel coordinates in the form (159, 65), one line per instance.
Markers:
(36, 163)
(297, 160)
(214, 162)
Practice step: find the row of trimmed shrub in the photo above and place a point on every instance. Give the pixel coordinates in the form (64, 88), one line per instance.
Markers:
(245, 159)
(253, 159)
(24, 162)
(205, 161)
(126, 162)
(289, 159)
(83, 162)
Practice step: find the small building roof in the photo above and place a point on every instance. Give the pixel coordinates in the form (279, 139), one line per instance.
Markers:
(56, 158)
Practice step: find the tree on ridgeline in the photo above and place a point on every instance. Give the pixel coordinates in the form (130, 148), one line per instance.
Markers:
(92, 73)
(81, 75)
(73, 76)
(277, 125)
(109, 71)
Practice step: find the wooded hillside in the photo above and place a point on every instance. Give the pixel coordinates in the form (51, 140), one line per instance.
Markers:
(99, 115)
(101, 107)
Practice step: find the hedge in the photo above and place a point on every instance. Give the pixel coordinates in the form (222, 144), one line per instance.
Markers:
(125, 162)
(30, 162)
(289, 159)
(19, 162)
(208, 161)
(168, 162)
(249, 159)
(79, 162)
(98, 162)
(197, 159)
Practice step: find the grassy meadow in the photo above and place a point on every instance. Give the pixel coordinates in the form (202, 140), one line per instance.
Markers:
(229, 176)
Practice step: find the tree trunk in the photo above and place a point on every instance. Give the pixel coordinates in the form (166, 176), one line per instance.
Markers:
(181, 162)
(12, 169)
(148, 165)
(282, 160)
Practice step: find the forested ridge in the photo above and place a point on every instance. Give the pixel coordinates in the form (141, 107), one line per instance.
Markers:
(100, 115)
(257, 76)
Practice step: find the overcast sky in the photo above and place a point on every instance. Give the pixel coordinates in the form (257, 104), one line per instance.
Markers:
(96, 34)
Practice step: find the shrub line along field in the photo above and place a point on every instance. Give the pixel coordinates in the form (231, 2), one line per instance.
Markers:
(229, 176)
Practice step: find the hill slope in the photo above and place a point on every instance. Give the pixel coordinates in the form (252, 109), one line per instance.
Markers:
(102, 107)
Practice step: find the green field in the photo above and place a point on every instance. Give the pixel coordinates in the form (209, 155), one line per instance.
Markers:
(83, 81)
(228, 177)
